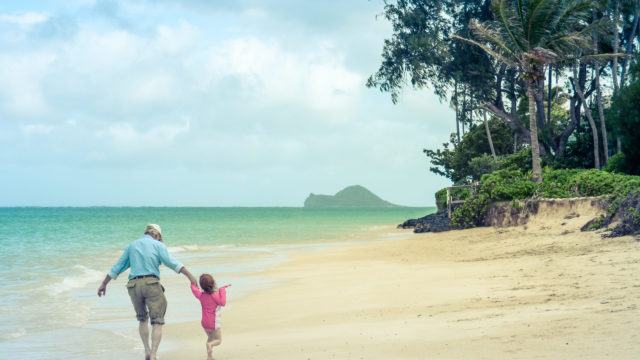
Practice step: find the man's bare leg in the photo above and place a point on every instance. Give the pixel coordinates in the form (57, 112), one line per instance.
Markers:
(156, 337)
(144, 335)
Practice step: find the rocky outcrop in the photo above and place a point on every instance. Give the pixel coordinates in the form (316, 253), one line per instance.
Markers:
(352, 196)
(436, 222)
(625, 220)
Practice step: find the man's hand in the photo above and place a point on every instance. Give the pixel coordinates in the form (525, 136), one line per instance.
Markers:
(102, 290)
(186, 273)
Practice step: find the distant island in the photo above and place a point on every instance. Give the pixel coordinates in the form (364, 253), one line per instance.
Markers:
(351, 196)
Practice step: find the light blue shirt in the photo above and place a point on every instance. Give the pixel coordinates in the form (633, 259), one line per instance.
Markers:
(144, 257)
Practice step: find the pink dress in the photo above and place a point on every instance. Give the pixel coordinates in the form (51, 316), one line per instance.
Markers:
(210, 303)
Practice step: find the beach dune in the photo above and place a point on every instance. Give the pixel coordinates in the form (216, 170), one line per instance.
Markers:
(544, 290)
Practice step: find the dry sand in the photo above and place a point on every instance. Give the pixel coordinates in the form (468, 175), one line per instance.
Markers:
(540, 291)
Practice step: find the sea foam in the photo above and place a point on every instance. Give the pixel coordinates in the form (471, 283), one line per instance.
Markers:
(81, 277)
(183, 248)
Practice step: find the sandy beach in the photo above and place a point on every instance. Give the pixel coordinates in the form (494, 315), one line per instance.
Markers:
(540, 291)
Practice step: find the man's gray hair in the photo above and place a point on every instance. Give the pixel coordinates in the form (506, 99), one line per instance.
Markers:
(154, 231)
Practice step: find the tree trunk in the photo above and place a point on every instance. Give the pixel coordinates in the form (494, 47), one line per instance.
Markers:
(512, 120)
(630, 40)
(618, 144)
(533, 129)
(571, 127)
(464, 108)
(615, 44)
(513, 98)
(603, 126)
(455, 102)
(592, 124)
(575, 104)
(486, 127)
(541, 113)
(549, 90)
(498, 86)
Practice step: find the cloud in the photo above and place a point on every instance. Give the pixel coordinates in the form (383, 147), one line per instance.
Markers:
(241, 104)
(125, 136)
(24, 20)
(318, 78)
(21, 77)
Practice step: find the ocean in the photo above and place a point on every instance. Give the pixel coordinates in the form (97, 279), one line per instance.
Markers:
(53, 260)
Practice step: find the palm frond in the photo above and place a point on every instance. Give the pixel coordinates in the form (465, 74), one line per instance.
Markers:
(492, 36)
(488, 50)
(567, 13)
(537, 20)
(508, 21)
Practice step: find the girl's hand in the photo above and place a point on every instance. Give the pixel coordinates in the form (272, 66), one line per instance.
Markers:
(225, 286)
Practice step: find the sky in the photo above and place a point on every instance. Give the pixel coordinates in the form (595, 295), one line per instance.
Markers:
(205, 103)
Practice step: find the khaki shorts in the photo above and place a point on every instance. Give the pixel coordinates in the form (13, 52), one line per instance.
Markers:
(147, 297)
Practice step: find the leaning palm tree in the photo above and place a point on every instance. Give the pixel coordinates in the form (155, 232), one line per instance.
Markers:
(531, 34)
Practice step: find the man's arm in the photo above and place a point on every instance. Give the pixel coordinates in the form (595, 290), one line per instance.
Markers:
(121, 265)
(186, 273)
(170, 262)
(102, 290)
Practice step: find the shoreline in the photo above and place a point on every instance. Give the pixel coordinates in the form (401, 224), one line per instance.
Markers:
(543, 290)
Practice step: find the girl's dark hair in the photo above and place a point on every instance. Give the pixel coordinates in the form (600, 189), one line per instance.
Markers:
(207, 284)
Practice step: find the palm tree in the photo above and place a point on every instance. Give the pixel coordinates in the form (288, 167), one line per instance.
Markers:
(529, 35)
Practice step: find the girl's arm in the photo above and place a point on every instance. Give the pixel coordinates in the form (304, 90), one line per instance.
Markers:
(220, 297)
(196, 291)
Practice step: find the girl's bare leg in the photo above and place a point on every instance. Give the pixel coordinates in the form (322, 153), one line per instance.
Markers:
(214, 339)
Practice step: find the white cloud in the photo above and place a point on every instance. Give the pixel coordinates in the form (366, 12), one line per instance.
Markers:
(24, 20)
(317, 79)
(228, 105)
(125, 136)
(21, 79)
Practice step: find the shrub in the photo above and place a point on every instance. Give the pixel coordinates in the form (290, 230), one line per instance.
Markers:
(441, 199)
(484, 164)
(595, 182)
(557, 183)
(616, 164)
(471, 213)
(456, 193)
(507, 185)
(520, 160)
(510, 185)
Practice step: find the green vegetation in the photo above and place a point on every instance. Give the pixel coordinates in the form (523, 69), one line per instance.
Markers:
(625, 118)
(509, 185)
(441, 199)
(535, 66)
(352, 196)
(524, 78)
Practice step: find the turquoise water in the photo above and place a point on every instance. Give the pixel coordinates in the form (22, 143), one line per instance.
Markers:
(54, 258)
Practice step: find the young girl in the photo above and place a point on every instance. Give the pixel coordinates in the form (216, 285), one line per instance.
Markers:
(210, 298)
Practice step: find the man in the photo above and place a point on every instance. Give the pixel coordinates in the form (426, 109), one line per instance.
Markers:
(144, 257)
